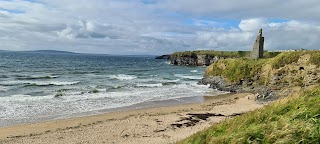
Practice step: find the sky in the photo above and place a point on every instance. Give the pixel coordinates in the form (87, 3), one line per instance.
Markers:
(155, 27)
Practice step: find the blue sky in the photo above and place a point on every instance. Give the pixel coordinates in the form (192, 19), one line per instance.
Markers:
(157, 26)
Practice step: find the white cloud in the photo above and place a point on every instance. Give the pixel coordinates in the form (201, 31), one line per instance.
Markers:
(253, 24)
(157, 27)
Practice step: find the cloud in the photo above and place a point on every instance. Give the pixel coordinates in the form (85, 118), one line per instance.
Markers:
(252, 24)
(156, 26)
(291, 9)
(278, 36)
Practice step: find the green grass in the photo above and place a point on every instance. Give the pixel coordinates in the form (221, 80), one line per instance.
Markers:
(236, 69)
(290, 57)
(295, 119)
(244, 68)
(315, 58)
(285, 58)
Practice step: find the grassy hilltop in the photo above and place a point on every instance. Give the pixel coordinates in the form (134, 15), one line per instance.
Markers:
(293, 119)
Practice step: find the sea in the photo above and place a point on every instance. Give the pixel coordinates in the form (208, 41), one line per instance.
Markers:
(39, 86)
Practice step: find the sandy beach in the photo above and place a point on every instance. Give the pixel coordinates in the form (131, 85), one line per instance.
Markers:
(167, 124)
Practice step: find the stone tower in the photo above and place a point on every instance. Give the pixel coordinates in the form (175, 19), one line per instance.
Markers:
(257, 51)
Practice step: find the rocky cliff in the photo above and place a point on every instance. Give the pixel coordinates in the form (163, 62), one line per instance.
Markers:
(203, 58)
(196, 60)
(265, 76)
(207, 57)
(166, 57)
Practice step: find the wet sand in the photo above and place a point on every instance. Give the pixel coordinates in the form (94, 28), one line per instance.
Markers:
(165, 124)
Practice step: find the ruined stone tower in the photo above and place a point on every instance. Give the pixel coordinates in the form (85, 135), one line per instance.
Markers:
(257, 51)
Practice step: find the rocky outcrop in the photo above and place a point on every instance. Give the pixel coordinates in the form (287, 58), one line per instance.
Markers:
(166, 57)
(194, 60)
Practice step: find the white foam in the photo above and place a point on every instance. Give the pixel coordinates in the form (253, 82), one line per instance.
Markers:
(13, 82)
(123, 77)
(57, 83)
(3, 89)
(150, 85)
(194, 71)
(168, 62)
(191, 77)
(24, 98)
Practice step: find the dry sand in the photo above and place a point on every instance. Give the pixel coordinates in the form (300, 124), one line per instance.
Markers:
(145, 126)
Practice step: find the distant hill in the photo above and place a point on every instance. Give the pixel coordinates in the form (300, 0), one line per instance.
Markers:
(50, 52)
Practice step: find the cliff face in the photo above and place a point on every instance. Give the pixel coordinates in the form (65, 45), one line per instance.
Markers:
(207, 57)
(194, 60)
(204, 57)
(166, 57)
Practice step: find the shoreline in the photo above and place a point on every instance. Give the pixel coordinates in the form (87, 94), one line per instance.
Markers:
(142, 105)
(146, 125)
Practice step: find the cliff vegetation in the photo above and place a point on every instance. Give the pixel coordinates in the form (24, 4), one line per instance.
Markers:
(288, 68)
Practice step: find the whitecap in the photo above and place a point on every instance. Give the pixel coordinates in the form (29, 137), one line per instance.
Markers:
(188, 77)
(3, 89)
(56, 83)
(150, 85)
(168, 62)
(33, 77)
(123, 77)
(23, 98)
(194, 71)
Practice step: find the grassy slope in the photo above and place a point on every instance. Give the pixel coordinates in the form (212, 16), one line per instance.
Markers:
(243, 68)
(295, 119)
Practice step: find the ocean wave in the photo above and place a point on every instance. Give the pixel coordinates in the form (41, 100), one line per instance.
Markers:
(11, 83)
(3, 76)
(118, 86)
(188, 77)
(37, 77)
(50, 83)
(150, 85)
(123, 77)
(194, 71)
(23, 98)
(168, 62)
(3, 89)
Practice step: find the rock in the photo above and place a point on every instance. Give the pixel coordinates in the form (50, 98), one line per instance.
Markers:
(166, 57)
(194, 60)
(219, 84)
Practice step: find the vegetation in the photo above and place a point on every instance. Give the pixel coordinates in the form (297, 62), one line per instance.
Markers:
(315, 58)
(244, 68)
(285, 58)
(290, 57)
(236, 69)
(295, 119)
